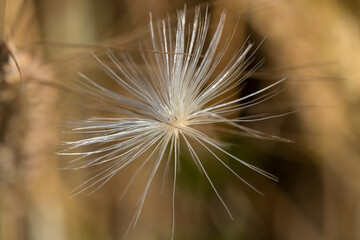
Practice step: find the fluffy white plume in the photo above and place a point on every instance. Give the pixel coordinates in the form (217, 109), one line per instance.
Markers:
(169, 98)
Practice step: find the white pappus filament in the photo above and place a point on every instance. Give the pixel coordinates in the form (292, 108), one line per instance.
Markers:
(168, 99)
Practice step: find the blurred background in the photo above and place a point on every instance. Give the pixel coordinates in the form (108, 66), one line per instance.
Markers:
(314, 44)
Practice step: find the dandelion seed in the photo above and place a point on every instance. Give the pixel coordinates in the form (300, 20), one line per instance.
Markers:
(167, 102)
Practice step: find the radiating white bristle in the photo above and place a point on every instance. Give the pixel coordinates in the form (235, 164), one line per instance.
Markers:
(166, 102)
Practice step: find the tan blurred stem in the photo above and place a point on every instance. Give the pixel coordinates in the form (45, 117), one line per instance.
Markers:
(32, 196)
(321, 31)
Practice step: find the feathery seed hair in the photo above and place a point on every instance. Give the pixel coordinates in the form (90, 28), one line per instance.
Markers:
(167, 102)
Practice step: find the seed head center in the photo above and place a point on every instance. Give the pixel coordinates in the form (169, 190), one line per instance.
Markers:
(178, 123)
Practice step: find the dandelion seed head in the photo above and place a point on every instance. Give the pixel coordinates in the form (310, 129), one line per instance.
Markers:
(174, 96)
